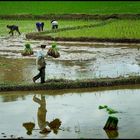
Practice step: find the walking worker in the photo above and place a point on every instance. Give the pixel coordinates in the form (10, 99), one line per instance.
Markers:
(40, 26)
(13, 28)
(41, 64)
(54, 24)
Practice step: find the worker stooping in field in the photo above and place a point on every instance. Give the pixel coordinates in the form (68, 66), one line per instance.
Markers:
(54, 24)
(13, 28)
(40, 26)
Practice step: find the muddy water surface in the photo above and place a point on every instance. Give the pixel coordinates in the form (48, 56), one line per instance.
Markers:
(77, 60)
(77, 110)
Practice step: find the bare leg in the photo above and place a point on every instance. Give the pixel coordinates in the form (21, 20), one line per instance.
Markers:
(11, 32)
(18, 31)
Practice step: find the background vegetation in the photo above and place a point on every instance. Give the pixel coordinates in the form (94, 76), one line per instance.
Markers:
(124, 28)
(69, 7)
(114, 29)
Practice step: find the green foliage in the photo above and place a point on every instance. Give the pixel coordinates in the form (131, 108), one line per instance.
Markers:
(66, 7)
(54, 45)
(27, 26)
(116, 29)
(27, 50)
(53, 51)
(27, 46)
(111, 111)
(102, 107)
(119, 29)
(108, 109)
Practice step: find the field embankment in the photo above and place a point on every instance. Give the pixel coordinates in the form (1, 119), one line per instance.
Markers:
(70, 84)
(69, 16)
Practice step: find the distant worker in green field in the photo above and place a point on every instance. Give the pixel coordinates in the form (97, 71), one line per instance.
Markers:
(54, 24)
(40, 26)
(13, 28)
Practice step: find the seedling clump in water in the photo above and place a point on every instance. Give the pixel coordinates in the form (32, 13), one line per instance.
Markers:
(108, 109)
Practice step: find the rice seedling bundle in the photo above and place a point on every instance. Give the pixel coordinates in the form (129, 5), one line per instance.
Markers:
(27, 51)
(53, 51)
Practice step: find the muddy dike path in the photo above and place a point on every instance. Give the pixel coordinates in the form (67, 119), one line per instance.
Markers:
(37, 36)
(72, 84)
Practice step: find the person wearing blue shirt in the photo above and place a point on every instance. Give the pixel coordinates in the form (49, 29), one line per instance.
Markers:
(13, 28)
(40, 26)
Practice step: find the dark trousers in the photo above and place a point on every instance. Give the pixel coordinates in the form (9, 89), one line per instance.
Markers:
(40, 26)
(55, 27)
(41, 75)
(12, 31)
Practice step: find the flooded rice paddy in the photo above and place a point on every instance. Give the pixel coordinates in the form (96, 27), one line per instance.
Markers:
(77, 60)
(76, 109)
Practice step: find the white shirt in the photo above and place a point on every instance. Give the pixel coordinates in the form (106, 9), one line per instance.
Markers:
(54, 23)
(40, 53)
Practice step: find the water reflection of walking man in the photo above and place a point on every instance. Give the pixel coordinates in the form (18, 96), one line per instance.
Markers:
(41, 114)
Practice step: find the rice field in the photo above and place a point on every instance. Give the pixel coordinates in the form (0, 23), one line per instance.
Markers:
(27, 26)
(113, 29)
(69, 7)
(116, 29)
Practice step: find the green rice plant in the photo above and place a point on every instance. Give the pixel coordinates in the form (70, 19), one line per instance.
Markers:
(27, 50)
(108, 109)
(119, 29)
(27, 26)
(102, 107)
(53, 51)
(116, 29)
(66, 7)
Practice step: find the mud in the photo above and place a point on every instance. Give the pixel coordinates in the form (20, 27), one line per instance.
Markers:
(77, 61)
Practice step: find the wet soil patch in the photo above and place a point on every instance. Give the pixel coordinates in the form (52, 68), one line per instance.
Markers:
(77, 61)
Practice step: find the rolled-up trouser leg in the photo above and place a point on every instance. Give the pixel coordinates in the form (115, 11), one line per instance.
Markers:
(43, 75)
(38, 75)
